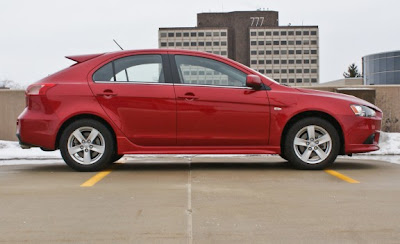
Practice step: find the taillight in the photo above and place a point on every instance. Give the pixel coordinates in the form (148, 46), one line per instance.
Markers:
(38, 89)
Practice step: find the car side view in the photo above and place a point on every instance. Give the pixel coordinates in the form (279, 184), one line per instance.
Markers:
(187, 102)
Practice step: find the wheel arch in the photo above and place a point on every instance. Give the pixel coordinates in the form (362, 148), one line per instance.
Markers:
(84, 116)
(313, 113)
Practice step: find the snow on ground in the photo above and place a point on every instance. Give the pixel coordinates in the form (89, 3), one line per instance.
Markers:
(11, 153)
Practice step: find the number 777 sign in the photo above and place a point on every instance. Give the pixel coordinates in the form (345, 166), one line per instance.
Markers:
(257, 21)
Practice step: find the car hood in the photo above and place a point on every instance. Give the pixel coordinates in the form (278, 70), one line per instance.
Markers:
(350, 98)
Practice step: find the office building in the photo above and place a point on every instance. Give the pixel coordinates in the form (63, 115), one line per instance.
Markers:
(382, 68)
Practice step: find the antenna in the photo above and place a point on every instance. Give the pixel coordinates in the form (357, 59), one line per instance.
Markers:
(117, 44)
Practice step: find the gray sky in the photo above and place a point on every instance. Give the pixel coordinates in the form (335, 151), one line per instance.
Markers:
(36, 35)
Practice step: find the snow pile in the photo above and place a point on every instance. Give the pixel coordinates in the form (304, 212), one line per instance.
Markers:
(389, 144)
(10, 150)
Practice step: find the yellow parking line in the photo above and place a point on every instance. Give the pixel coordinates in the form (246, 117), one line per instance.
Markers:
(341, 176)
(98, 177)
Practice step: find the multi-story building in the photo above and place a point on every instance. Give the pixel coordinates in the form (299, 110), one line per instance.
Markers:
(288, 54)
(382, 68)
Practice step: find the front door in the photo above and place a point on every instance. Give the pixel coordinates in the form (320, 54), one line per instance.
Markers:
(214, 106)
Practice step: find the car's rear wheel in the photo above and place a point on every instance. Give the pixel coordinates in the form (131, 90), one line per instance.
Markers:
(87, 145)
(312, 143)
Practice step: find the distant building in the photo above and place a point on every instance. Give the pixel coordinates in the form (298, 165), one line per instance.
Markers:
(288, 54)
(382, 68)
(344, 82)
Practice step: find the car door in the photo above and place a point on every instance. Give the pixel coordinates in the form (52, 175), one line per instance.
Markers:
(136, 93)
(214, 106)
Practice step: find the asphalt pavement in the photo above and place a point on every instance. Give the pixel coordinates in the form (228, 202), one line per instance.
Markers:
(201, 199)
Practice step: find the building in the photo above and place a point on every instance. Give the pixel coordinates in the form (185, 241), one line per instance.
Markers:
(381, 68)
(288, 54)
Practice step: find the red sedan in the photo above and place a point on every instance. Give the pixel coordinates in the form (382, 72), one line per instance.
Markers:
(186, 102)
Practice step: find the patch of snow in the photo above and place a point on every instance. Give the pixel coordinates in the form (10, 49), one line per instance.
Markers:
(389, 144)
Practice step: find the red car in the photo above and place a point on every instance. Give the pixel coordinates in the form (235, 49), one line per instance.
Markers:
(186, 102)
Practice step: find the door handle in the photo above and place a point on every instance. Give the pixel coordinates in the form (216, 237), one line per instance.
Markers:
(189, 96)
(108, 93)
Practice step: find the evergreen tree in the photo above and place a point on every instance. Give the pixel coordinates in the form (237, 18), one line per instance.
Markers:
(352, 71)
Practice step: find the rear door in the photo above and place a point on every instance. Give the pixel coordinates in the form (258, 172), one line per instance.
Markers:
(214, 106)
(137, 94)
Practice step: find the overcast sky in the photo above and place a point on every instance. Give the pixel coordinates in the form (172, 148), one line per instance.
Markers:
(36, 35)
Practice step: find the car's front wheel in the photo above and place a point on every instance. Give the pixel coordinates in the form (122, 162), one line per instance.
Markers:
(312, 143)
(87, 145)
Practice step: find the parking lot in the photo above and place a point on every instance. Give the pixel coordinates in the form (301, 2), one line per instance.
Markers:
(201, 199)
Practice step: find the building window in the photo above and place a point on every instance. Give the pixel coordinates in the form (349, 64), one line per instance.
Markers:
(253, 61)
(216, 52)
(277, 80)
(215, 33)
(306, 71)
(268, 61)
(268, 43)
(291, 61)
(306, 51)
(223, 43)
(171, 34)
(253, 52)
(268, 52)
(216, 43)
(253, 43)
(261, 33)
(313, 51)
(276, 52)
(314, 42)
(193, 34)
(298, 51)
(298, 33)
(253, 33)
(291, 71)
(276, 71)
(299, 71)
(223, 33)
(208, 33)
(284, 80)
(261, 52)
(260, 43)
(306, 42)
(276, 42)
(178, 44)
(276, 61)
(306, 80)
(201, 34)
(291, 51)
(163, 34)
(291, 42)
(313, 33)
(261, 71)
(163, 44)
(268, 71)
(178, 34)
(208, 44)
(298, 61)
(283, 42)
(268, 33)
(306, 61)
(299, 80)
(170, 44)
(313, 61)
(201, 44)
(276, 33)
(283, 33)
(306, 33)
(291, 80)
(283, 71)
(291, 33)
(185, 34)
(260, 61)
(298, 42)
(223, 52)
(283, 52)
(186, 44)
(193, 44)
(313, 80)
(314, 71)
(283, 61)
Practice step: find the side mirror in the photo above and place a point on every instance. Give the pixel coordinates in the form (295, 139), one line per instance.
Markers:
(254, 82)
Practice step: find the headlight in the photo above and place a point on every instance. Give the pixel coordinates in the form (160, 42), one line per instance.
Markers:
(363, 111)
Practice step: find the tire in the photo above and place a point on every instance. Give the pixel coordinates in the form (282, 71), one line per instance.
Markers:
(116, 157)
(87, 145)
(312, 144)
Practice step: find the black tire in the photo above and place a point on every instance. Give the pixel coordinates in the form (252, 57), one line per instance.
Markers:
(116, 157)
(87, 159)
(319, 155)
